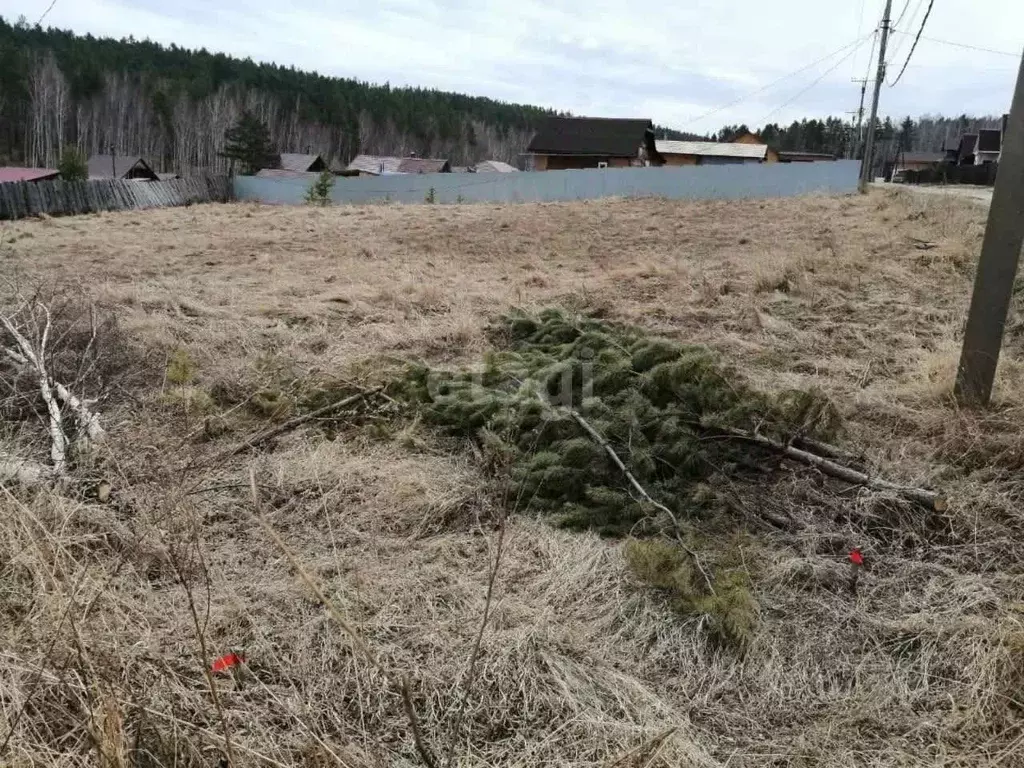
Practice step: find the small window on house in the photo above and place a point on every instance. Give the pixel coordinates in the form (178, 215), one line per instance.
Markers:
(602, 164)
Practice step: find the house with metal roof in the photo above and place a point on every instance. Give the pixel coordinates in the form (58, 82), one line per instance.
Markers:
(563, 143)
(304, 163)
(11, 173)
(494, 166)
(384, 165)
(284, 173)
(710, 152)
(120, 167)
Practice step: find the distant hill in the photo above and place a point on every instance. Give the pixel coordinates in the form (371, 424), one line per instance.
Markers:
(172, 105)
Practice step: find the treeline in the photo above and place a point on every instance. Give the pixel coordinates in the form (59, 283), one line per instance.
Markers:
(839, 137)
(173, 105)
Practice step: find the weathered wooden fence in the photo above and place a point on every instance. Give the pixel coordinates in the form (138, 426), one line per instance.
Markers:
(56, 198)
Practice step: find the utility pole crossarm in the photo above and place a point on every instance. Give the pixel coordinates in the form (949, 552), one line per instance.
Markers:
(997, 268)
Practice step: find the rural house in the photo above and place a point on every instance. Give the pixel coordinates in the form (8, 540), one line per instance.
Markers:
(291, 161)
(9, 174)
(990, 144)
(710, 152)
(966, 149)
(120, 167)
(494, 166)
(797, 156)
(917, 161)
(979, 148)
(383, 165)
(770, 156)
(282, 173)
(592, 142)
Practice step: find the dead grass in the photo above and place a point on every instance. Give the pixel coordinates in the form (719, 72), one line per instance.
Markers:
(862, 298)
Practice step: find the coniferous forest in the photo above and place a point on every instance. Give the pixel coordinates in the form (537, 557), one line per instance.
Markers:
(173, 105)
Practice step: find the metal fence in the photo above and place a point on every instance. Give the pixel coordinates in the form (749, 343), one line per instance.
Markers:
(56, 198)
(719, 182)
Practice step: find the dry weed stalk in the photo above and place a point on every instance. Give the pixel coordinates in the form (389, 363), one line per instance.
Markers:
(177, 560)
(402, 686)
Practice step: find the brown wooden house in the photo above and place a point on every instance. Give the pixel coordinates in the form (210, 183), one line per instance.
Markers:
(771, 156)
(120, 167)
(564, 143)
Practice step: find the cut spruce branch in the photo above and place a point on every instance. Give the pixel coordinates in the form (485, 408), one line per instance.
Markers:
(260, 438)
(600, 440)
(930, 499)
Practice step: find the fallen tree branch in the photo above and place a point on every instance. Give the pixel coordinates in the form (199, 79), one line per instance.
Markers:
(268, 434)
(36, 359)
(88, 422)
(930, 499)
(600, 440)
(826, 450)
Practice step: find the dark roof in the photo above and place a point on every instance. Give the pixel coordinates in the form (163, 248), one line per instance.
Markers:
(967, 144)
(989, 139)
(27, 174)
(797, 156)
(602, 136)
(423, 165)
(922, 157)
(121, 167)
(291, 161)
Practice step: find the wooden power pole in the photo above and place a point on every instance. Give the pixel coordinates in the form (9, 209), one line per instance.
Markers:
(869, 147)
(860, 120)
(997, 268)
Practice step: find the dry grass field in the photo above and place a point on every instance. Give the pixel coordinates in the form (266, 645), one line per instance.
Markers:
(229, 316)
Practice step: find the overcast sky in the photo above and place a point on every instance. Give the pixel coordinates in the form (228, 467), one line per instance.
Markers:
(618, 58)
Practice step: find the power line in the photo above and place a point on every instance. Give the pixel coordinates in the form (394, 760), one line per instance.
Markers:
(903, 13)
(913, 48)
(48, 9)
(871, 56)
(961, 45)
(860, 29)
(863, 91)
(813, 83)
(772, 84)
(894, 45)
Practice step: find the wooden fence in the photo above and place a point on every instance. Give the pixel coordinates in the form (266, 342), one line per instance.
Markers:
(56, 198)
